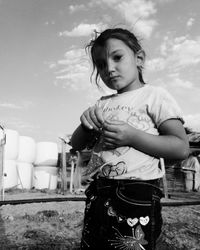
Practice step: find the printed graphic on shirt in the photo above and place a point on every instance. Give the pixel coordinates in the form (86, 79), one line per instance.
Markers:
(107, 162)
(144, 109)
(109, 170)
(110, 161)
(138, 119)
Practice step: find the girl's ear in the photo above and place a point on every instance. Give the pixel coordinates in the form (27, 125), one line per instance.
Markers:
(140, 57)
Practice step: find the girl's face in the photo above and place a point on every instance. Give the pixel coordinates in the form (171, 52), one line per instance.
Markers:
(118, 68)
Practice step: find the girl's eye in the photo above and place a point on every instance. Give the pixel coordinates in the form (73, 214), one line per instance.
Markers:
(117, 58)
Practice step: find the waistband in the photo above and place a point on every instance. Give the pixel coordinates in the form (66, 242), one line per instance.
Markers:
(107, 187)
(105, 182)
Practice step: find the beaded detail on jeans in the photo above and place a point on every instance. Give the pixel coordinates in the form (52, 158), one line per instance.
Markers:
(134, 242)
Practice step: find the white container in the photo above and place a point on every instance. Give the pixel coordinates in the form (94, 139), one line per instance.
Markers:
(197, 181)
(45, 177)
(53, 181)
(12, 144)
(25, 175)
(27, 149)
(10, 174)
(189, 180)
(53, 170)
(46, 153)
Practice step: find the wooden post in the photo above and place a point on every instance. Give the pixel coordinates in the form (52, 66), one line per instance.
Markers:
(165, 188)
(77, 171)
(64, 167)
(2, 144)
(72, 176)
(1, 174)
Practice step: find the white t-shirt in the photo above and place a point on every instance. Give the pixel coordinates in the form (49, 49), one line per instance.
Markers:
(144, 109)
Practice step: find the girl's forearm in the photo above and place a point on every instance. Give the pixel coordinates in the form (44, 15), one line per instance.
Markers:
(160, 146)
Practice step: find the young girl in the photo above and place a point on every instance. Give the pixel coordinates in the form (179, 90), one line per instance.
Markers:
(129, 131)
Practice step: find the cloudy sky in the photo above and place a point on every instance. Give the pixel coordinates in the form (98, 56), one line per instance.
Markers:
(45, 72)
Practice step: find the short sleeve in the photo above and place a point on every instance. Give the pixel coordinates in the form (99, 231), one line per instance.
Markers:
(164, 107)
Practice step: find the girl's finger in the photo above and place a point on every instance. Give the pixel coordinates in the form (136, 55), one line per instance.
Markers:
(109, 134)
(87, 121)
(94, 117)
(114, 122)
(99, 115)
(108, 127)
(108, 145)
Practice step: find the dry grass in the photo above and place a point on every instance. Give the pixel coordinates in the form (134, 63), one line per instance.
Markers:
(57, 225)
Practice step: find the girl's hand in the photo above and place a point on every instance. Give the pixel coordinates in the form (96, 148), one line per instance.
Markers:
(92, 118)
(116, 134)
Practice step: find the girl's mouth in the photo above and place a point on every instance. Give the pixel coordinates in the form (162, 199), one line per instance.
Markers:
(113, 78)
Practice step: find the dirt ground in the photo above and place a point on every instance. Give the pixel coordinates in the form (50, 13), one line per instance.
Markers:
(57, 225)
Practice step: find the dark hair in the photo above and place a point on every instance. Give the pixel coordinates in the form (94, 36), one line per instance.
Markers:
(97, 45)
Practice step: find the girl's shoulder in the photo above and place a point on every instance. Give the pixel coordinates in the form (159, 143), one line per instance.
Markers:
(157, 91)
(155, 88)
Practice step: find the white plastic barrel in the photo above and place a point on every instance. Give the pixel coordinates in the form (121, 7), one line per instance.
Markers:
(25, 175)
(197, 181)
(10, 174)
(189, 180)
(12, 144)
(46, 153)
(1, 134)
(27, 149)
(45, 177)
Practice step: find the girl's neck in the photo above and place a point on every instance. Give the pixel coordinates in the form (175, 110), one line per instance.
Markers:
(131, 88)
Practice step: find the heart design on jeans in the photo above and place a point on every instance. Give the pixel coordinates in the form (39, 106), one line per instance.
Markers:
(120, 219)
(132, 222)
(111, 212)
(144, 220)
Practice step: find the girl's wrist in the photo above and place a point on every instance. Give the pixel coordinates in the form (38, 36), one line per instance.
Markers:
(131, 136)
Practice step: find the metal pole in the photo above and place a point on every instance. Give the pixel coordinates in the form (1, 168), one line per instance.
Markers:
(2, 144)
(72, 176)
(64, 167)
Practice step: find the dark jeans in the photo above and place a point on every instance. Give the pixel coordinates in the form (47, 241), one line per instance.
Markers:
(122, 214)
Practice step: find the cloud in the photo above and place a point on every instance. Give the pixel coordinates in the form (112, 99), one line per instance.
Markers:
(155, 64)
(190, 22)
(138, 13)
(176, 54)
(177, 82)
(145, 27)
(10, 105)
(49, 23)
(18, 124)
(193, 121)
(22, 105)
(82, 29)
(77, 7)
(74, 70)
(185, 51)
(135, 9)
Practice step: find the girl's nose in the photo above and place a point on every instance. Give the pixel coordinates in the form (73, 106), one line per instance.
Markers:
(110, 66)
